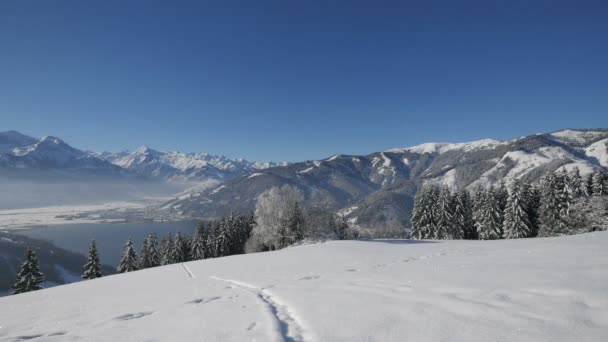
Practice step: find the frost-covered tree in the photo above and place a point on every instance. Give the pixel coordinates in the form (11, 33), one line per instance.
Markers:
(462, 209)
(589, 184)
(294, 228)
(149, 255)
(166, 246)
(272, 213)
(488, 216)
(199, 243)
(533, 200)
(424, 215)
(128, 263)
(223, 239)
(29, 277)
(444, 228)
(501, 194)
(551, 219)
(576, 183)
(178, 252)
(566, 194)
(599, 184)
(516, 222)
(92, 269)
(341, 228)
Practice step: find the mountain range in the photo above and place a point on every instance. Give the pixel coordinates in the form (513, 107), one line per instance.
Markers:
(374, 191)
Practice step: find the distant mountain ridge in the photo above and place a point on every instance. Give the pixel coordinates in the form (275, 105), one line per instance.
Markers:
(20, 153)
(377, 190)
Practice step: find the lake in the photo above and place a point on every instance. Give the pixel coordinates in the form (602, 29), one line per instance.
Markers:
(110, 237)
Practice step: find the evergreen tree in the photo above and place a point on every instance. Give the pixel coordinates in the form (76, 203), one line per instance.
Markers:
(589, 185)
(599, 184)
(222, 242)
(153, 252)
(29, 277)
(341, 228)
(566, 194)
(462, 208)
(489, 216)
(423, 217)
(576, 181)
(501, 195)
(516, 222)
(199, 243)
(177, 252)
(166, 246)
(128, 263)
(92, 269)
(444, 228)
(551, 220)
(533, 201)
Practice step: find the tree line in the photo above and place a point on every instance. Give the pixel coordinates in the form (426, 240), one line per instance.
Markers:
(546, 208)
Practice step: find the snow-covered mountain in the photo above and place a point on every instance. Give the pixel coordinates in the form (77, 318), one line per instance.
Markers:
(179, 166)
(48, 153)
(542, 289)
(377, 190)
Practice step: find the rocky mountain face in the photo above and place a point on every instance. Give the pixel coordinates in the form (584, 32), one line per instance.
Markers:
(376, 191)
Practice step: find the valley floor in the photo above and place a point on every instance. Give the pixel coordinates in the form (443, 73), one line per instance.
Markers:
(542, 289)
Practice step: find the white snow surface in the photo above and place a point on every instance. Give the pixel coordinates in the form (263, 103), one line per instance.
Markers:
(581, 137)
(542, 289)
(599, 151)
(445, 147)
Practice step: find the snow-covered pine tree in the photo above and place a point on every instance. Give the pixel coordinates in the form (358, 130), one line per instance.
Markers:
(533, 200)
(166, 246)
(177, 252)
(589, 184)
(551, 222)
(92, 269)
(489, 218)
(501, 194)
(199, 245)
(576, 181)
(444, 227)
(341, 228)
(144, 259)
(222, 242)
(516, 222)
(29, 277)
(423, 218)
(462, 209)
(128, 263)
(599, 184)
(153, 252)
(566, 194)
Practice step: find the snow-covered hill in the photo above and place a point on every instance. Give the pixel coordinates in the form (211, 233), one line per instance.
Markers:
(542, 289)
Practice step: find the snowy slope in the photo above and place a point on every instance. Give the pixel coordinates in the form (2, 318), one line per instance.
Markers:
(542, 289)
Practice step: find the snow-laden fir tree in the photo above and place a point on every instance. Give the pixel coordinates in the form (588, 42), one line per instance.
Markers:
(533, 199)
(29, 277)
(488, 219)
(462, 209)
(589, 184)
(423, 217)
(92, 269)
(566, 194)
(199, 243)
(222, 242)
(149, 256)
(153, 251)
(551, 220)
(444, 227)
(177, 252)
(129, 262)
(599, 184)
(516, 222)
(166, 247)
(341, 228)
(295, 225)
(501, 194)
(576, 182)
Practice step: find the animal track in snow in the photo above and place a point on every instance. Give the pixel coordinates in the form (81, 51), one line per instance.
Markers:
(203, 300)
(137, 315)
(313, 277)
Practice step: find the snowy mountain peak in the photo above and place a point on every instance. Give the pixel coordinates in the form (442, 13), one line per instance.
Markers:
(440, 148)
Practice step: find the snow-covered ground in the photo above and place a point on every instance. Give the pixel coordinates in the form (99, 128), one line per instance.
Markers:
(20, 218)
(543, 289)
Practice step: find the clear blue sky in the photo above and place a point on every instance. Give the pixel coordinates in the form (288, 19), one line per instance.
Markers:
(294, 80)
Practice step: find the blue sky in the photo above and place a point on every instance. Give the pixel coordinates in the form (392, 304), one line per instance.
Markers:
(296, 80)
